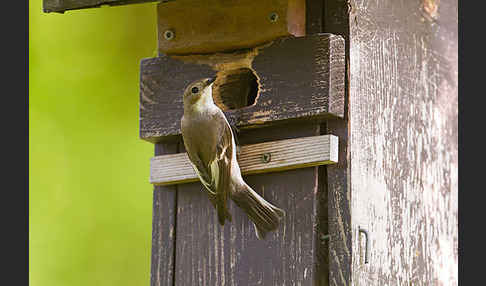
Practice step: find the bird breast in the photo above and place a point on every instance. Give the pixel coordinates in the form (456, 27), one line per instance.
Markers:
(201, 134)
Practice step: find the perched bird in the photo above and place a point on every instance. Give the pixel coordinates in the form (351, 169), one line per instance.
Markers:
(211, 148)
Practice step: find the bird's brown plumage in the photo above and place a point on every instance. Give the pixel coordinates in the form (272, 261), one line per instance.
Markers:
(210, 145)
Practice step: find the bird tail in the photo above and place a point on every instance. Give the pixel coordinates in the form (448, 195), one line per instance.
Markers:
(264, 215)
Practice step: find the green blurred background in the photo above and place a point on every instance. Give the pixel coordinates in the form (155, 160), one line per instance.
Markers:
(90, 202)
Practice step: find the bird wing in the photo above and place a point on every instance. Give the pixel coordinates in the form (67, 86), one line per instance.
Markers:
(203, 172)
(216, 174)
(224, 151)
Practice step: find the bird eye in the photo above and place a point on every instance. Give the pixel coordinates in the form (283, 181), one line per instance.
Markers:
(195, 90)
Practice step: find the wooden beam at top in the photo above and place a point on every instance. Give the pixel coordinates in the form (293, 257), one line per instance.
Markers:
(253, 159)
(201, 27)
(60, 6)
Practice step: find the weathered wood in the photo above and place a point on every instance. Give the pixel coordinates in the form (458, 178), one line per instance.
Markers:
(210, 254)
(163, 228)
(314, 10)
(64, 5)
(314, 21)
(322, 227)
(335, 218)
(404, 133)
(299, 78)
(339, 209)
(200, 27)
(283, 155)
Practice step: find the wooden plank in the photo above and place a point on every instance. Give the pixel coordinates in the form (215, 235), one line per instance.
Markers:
(339, 209)
(163, 228)
(334, 18)
(403, 90)
(314, 21)
(284, 155)
(322, 227)
(335, 253)
(61, 6)
(217, 26)
(298, 78)
(210, 254)
(314, 16)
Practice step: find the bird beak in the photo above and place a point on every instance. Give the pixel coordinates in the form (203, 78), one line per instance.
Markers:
(210, 80)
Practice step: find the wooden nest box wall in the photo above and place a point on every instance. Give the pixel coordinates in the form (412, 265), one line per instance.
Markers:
(278, 84)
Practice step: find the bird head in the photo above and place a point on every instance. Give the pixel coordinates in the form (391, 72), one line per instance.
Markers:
(198, 91)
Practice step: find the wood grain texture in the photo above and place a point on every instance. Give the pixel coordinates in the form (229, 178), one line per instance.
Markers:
(324, 213)
(314, 10)
(337, 178)
(284, 155)
(339, 209)
(217, 26)
(404, 134)
(64, 5)
(163, 228)
(299, 78)
(210, 254)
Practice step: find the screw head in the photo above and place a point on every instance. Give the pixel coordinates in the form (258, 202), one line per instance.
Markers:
(266, 157)
(273, 17)
(169, 35)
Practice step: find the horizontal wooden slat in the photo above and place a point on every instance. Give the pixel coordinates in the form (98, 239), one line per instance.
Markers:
(62, 6)
(217, 26)
(284, 155)
(298, 78)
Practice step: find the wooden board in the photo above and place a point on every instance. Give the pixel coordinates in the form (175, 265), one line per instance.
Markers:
(314, 13)
(404, 141)
(339, 209)
(64, 5)
(335, 19)
(210, 254)
(299, 78)
(217, 26)
(282, 155)
(163, 227)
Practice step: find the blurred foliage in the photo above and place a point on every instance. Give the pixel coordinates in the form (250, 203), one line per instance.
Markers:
(90, 202)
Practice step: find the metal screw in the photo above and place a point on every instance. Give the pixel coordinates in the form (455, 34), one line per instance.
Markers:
(273, 17)
(169, 35)
(266, 157)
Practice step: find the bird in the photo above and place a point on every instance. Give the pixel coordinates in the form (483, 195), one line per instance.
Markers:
(210, 146)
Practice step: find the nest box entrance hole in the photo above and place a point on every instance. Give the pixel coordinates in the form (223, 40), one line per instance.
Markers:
(235, 88)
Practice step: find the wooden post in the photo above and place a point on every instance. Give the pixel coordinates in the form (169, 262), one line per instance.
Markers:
(335, 19)
(401, 120)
